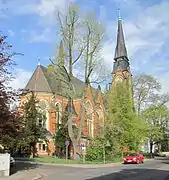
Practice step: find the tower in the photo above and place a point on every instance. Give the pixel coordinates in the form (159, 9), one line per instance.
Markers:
(60, 61)
(121, 68)
(61, 76)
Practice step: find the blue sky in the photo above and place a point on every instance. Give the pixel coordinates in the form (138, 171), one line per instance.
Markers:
(31, 29)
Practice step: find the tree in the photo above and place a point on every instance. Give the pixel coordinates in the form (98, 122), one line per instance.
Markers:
(123, 125)
(157, 118)
(82, 39)
(34, 124)
(149, 104)
(10, 121)
(146, 89)
(62, 135)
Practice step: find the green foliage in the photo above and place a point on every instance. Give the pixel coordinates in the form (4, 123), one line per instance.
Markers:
(62, 134)
(50, 68)
(95, 150)
(98, 146)
(146, 89)
(32, 132)
(10, 121)
(157, 118)
(147, 92)
(126, 128)
(31, 116)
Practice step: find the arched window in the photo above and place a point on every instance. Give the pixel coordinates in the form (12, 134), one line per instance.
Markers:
(101, 121)
(89, 116)
(43, 119)
(58, 115)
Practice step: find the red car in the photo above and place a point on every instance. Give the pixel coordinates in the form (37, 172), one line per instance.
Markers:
(134, 158)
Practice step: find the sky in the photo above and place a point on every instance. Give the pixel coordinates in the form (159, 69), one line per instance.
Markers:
(31, 28)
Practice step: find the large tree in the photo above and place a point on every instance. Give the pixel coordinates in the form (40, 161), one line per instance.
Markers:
(150, 104)
(146, 89)
(123, 124)
(157, 119)
(34, 124)
(147, 92)
(82, 39)
(10, 121)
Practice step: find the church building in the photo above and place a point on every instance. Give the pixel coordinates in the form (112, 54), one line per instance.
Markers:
(53, 101)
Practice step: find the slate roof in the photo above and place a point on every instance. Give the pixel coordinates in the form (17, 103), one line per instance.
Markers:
(120, 50)
(43, 80)
(121, 59)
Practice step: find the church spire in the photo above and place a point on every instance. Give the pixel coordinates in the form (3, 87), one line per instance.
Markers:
(60, 59)
(120, 50)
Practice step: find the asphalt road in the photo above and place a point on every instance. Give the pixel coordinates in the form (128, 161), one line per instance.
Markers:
(157, 169)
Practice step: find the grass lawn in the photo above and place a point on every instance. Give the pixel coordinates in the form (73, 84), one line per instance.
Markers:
(55, 160)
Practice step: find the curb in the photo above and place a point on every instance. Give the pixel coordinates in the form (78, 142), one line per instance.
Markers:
(74, 165)
(79, 165)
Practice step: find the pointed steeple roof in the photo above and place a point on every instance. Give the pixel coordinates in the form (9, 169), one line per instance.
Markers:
(60, 59)
(120, 50)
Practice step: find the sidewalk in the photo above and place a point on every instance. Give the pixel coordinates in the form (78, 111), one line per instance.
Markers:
(24, 175)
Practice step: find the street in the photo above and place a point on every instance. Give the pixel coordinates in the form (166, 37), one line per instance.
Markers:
(157, 169)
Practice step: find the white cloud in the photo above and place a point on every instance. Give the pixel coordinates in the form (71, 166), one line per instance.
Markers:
(146, 30)
(146, 33)
(45, 8)
(21, 78)
(37, 36)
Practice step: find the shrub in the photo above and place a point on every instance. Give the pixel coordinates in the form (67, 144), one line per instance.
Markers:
(95, 151)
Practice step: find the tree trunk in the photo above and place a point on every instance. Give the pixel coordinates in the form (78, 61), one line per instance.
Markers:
(151, 149)
(75, 150)
(33, 150)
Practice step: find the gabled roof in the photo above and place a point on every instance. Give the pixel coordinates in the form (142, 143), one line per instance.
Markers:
(44, 80)
(39, 82)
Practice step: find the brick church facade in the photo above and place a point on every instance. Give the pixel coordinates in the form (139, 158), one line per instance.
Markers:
(53, 101)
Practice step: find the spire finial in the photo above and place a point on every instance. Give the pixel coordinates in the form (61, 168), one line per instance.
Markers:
(119, 14)
(38, 62)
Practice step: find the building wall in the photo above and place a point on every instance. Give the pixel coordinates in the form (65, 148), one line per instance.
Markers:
(95, 109)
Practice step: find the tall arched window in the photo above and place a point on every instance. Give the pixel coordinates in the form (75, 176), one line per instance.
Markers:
(89, 116)
(43, 119)
(58, 115)
(101, 121)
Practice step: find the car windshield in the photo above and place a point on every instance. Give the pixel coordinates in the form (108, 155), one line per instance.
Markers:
(132, 155)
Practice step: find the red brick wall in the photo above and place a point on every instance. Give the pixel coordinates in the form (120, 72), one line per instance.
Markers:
(77, 103)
